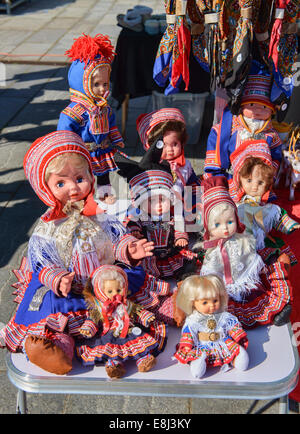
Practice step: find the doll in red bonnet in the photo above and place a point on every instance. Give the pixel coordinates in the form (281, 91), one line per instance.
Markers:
(70, 240)
(258, 294)
(117, 330)
(253, 177)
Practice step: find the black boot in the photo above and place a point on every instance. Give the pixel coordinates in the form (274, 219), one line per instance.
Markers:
(283, 317)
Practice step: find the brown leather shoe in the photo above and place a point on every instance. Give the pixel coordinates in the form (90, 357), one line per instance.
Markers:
(48, 356)
(115, 372)
(147, 364)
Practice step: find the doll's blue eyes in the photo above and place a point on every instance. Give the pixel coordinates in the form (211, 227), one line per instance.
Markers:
(60, 184)
(79, 180)
(230, 222)
(217, 225)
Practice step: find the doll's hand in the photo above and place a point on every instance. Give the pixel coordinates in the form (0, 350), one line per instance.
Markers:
(296, 226)
(65, 284)
(86, 333)
(140, 249)
(121, 145)
(181, 242)
(137, 234)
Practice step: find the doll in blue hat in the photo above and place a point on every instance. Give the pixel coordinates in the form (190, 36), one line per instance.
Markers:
(89, 114)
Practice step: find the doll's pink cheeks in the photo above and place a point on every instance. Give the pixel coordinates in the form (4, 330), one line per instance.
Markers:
(172, 146)
(256, 111)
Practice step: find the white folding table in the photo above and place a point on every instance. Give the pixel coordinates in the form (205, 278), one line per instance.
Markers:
(272, 374)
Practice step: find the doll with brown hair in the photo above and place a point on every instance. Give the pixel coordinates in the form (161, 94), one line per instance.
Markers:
(117, 330)
(70, 240)
(211, 336)
(258, 294)
(89, 113)
(253, 178)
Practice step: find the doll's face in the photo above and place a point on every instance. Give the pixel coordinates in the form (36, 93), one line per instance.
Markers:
(256, 111)
(208, 306)
(70, 184)
(100, 81)
(112, 288)
(172, 146)
(156, 205)
(223, 225)
(254, 184)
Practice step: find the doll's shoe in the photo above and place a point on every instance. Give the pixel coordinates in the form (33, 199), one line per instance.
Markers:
(48, 356)
(198, 367)
(283, 317)
(241, 361)
(146, 364)
(115, 371)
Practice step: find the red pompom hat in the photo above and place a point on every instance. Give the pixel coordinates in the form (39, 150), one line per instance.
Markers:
(215, 191)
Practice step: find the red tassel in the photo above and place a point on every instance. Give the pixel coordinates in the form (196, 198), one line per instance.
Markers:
(86, 48)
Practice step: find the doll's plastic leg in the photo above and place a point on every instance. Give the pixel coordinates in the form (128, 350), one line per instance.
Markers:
(198, 367)
(146, 363)
(241, 362)
(114, 369)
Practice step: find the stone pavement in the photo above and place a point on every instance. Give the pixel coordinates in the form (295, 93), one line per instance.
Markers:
(31, 98)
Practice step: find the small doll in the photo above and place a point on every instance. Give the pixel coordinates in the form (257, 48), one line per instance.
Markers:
(164, 136)
(152, 217)
(70, 240)
(89, 114)
(253, 176)
(211, 336)
(257, 293)
(117, 329)
(253, 122)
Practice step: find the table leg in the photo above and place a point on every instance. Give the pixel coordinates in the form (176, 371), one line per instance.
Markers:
(124, 113)
(21, 402)
(284, 405)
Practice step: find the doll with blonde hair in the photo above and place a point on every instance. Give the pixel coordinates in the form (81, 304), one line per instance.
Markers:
(211, 336)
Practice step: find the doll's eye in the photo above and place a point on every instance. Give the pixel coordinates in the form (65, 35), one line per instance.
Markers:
(249, 180)
(204, 303)
(230, 222)
(119, 290)
(260, 182)
(217, 225)
(60, 184)
(79, 179)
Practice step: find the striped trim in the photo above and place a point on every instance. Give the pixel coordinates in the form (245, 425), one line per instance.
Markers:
(51, 277)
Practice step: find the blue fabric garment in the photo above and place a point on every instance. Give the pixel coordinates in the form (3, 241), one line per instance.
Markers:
(51, 304)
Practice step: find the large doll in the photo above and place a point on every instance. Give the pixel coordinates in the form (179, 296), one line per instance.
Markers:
(89, 114)
(211, 336)
(70, 240)
(117, 329)
(258, 294)
(253, 122)
(252, 182)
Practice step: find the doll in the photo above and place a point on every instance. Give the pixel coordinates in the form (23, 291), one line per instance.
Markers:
(211, 336)
(153, 217)
(253, 176)
(258, 294)
(70, 240)
(89, 114)
(165, 130)
(117, 330)
(253, 122)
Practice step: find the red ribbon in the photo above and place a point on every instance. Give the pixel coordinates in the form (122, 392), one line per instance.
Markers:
(220, 242)
(276, 34)
(109, 306)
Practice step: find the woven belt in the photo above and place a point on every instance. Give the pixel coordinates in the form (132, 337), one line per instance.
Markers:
(212, 18)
